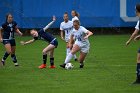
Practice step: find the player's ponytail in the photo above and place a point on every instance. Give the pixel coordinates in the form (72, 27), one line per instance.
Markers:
(76, 13)
(138, 7)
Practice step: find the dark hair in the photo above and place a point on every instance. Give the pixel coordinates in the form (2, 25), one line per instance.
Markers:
(7, 16)
(138, 7)
(76, 13)
(66, 13)
(77, 21)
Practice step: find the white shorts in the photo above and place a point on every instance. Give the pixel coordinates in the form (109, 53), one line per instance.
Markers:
(84, 47)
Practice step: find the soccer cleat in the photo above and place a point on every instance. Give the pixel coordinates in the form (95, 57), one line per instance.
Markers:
(16, 64)
(81, 66)
(137, 81)
(42, 66)
(53, 66)
(63, 65)
(3, 62)
(75, 59)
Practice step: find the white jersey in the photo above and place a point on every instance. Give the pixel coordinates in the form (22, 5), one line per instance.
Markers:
(75, 18)
(67, 28)
(80, 34)
(138, 25)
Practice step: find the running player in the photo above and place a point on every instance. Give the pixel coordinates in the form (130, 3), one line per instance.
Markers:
(42, 35)
(81, 44)
(135, 37)
(9, 28)
(66, 28)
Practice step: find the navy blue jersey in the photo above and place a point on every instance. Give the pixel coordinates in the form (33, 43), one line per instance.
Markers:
(9, 29)
(42, 35)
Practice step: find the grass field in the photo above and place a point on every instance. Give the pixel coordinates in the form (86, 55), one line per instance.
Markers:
(109, 68)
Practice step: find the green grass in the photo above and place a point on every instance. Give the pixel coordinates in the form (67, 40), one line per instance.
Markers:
(109, 68)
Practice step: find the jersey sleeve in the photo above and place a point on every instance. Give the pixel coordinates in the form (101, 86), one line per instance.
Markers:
(3, 26)
(61, 27)
(137, 26)
(84, 30)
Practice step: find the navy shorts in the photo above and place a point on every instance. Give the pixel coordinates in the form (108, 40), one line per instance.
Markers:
(11, 42)
(54, 42)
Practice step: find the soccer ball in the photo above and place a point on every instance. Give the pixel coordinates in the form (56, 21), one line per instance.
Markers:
(69, 66)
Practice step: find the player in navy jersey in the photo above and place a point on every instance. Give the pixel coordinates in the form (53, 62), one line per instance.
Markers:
(53, 43)
(135, 36)
(7, 38)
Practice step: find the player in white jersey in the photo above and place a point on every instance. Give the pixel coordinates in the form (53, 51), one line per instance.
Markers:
(75, 15)
(81, 44)
(66, 28)
(135, 36)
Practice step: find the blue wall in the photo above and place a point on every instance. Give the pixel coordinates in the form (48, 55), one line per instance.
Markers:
(93, 13)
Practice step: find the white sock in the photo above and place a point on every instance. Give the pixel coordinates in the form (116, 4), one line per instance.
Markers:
(75, 57)
(16, 63)
(68, 51)
(68, 58)
(2, 59)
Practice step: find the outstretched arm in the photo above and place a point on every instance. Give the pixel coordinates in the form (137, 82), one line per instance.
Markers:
(18, 31)
(132, 36)
(27, 42)
(62, 34)
(45, 28)
(89, 33)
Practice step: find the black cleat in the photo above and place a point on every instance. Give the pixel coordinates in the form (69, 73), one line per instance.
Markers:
(75, 59)
(63, 65)
(16, 64)
(81, 66)
(137, 81)
(3, 63)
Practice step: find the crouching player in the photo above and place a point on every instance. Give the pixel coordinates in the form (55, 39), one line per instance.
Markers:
(81, 44)
(53, 43)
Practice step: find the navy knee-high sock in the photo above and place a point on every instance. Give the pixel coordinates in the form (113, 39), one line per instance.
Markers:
(5, 56)
(51, 61)
(138, 71)
(44, 59)
(13, 56)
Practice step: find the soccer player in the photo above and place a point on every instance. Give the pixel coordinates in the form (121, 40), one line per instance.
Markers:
(81, 44)
(7, 38)
(53, 43)
(135, 37)
(75, 15)
(66, 28)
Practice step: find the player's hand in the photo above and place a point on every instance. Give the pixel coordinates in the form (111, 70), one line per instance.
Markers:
(21, 34)
(1, 40)
(86, 37)
(127, 43)
(62, 38)
(22, 42)
(137, 38)
(70, 46)
(54, 18)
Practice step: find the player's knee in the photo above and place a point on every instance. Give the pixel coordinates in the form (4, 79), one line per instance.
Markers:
(44, 52)
(9, 52)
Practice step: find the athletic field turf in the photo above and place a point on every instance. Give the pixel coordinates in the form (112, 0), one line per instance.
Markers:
(109, 68)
